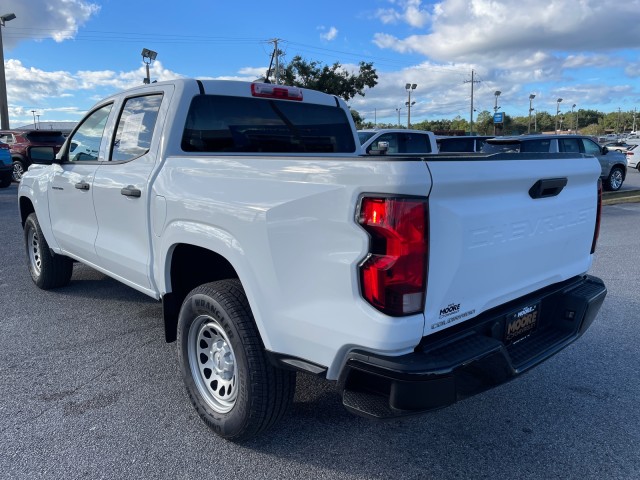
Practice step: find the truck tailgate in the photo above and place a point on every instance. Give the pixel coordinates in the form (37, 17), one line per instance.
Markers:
(492, 242)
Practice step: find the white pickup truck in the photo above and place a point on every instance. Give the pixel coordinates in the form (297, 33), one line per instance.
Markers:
(276, 246)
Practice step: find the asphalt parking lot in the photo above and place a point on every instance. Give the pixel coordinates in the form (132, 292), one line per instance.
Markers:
(89, 389)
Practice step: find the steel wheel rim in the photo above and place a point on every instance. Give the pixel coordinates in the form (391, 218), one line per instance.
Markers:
(616, 179)
(33, 246)
(213, 363)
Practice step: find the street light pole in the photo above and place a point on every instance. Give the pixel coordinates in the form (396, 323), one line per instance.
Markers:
(573, 119)
(408, 87)
(148, 56)
(531, 97)
(535, 120)
(557, 113)
(35, 126)
(495, 110)
(398, 110)
(4, 104)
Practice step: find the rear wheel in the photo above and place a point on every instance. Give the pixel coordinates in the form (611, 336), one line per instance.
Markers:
(48, 270)
(18, 170)
(232, 385)
(615, 179)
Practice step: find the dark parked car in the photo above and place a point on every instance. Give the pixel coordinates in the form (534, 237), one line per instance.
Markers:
(5, 165)
(612, 162)
(20, 141)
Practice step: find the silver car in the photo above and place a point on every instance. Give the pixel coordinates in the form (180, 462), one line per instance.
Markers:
(612, 162)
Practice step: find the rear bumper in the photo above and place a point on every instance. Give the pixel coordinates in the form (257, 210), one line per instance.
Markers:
(471, 357)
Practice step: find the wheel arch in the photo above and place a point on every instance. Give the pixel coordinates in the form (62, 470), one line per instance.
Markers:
(26, 208)
(188, 266)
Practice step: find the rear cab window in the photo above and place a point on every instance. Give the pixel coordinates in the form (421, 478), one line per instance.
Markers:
(218, 123)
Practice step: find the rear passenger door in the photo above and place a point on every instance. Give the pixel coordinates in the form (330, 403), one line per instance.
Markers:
(121, 192)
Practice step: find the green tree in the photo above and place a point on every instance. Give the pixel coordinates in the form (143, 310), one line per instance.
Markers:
(333, 79)
(357, 118)
(484, 123)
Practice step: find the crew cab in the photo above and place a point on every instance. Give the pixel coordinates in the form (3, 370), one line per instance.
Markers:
(277, 246)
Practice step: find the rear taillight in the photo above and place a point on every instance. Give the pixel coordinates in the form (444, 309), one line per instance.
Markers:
(596, 231)
(267, 90)
(393, 276)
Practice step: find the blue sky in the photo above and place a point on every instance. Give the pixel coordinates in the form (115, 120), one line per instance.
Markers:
(61, 56)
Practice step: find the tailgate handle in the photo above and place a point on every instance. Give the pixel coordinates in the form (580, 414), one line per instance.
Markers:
(549, 187)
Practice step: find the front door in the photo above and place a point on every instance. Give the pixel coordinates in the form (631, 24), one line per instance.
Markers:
(73, 218)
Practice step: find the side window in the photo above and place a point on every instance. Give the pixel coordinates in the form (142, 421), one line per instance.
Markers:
(84, 145)
(135, 127)
(7, 138)
(569, 145)
(590, 147)
(537, 146)
(416, 143)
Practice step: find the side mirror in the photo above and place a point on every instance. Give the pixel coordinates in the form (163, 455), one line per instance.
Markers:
(41, 155)
(380, 149)
(605, 150)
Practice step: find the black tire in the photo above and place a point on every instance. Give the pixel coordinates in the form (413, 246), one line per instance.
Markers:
(615, 179)
(231, 383)
(48, 270)
(5, 180)
(18, 170)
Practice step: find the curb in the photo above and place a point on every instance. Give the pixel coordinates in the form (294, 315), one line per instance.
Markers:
(627, 196)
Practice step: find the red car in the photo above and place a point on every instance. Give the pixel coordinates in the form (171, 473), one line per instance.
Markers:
(20, 141)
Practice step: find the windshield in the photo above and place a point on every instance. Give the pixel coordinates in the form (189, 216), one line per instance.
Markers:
(364, 136)
(501, 147)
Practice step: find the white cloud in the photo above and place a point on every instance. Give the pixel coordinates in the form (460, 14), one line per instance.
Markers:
(40, 19)
(409, 12)
(329, 35)
(473, 29)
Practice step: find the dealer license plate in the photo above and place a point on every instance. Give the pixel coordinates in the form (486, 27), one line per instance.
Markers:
(521, 323)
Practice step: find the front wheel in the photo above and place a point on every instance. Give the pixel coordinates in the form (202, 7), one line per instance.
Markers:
(615, 179)
(232, 385)
(18, 170)
(48, 270)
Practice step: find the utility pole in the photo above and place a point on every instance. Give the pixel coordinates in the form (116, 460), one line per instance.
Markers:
(618, 123)
(472, 81)
(634, 120)
(275, 54)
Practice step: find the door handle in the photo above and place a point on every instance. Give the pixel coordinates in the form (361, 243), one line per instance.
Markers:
(83, 186)
(131, 191)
